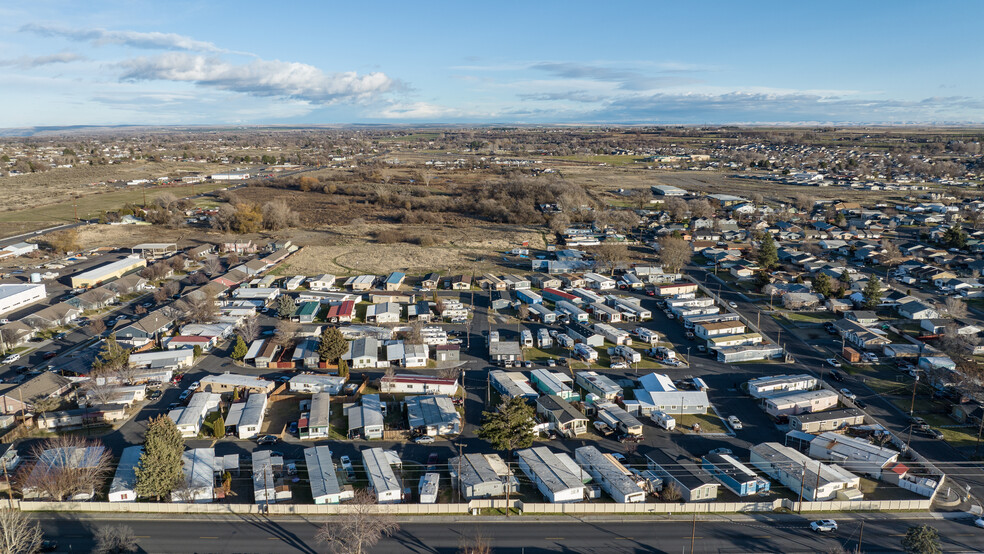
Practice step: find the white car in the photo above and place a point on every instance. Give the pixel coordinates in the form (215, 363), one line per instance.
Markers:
(426, 439)
(733, 305)
(833, 362)
(979, 522)
(11, 358)
(823, 525)
(848, 394)
(734, 422)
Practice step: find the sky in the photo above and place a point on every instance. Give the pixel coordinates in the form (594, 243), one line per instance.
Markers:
(163, 62)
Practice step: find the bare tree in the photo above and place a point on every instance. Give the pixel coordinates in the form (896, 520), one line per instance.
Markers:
(286, 333)
(891, 254)
(955, 307)
(479, 544)
(202, 308)
(449, 373)
(166, 201)
(212, 265)
(671, 493)
(523, 311)
(360, 530)
(62, 468)
(98, 326)
(700, 207)
(559, 223)
(415, 334)
(676, 207)
(611, 256)
(804, 201)
(278, 215)
(674, 253)
(249, 329)
(116, 539)
(18, 534)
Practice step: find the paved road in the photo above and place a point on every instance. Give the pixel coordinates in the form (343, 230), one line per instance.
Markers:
(788, 534)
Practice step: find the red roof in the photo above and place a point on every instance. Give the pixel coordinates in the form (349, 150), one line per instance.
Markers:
(345, 309)
(190, 338)
(559, 294)
(900, 468)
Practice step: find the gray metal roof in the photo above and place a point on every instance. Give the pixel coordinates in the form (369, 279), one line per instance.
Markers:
(321, 471)
(378, 470)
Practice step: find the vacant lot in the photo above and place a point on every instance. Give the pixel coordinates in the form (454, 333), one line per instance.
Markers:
(351, 249)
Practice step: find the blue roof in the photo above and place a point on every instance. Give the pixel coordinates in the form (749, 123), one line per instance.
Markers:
(395, 277)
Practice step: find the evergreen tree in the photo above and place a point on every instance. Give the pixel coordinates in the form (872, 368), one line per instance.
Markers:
(845, 277)
(159, 470)
(286, 306)
(822, 284)
(510, 426)
(343, 369)
(922, 540)
(872, 292)
(218, 427)
(240, 349)
(112, 356)
(955, 237)
(768, 256)
(332, 345)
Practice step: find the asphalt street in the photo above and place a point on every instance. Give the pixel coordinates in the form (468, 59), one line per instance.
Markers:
(788, 534)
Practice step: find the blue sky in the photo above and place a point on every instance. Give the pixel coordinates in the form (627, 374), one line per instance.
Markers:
(174, 62)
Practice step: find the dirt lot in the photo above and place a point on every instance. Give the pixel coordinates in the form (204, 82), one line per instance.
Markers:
(348, 250)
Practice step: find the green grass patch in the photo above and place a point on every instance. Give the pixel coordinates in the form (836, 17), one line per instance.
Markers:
(960, 437)
(709, 423)
(809, 317)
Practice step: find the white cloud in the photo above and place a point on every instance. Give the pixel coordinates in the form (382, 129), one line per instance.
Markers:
(417, 110)
(29, 62)
(135, 39)
(260, 78)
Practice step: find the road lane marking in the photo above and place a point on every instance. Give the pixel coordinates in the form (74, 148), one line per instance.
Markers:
(209, 538)
(553, 538)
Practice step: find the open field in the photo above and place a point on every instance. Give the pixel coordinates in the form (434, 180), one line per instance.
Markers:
(349, 250)
(90, 204)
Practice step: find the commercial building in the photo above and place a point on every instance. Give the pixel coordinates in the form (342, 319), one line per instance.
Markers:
(817, 480)
(107, 272)
(13, 297)
(555, 475)
(482, 476)
(734, 475)
(610, 474)
(383, 482)
(694, 483)
(831, 420)
(853, 453)
(325, 488)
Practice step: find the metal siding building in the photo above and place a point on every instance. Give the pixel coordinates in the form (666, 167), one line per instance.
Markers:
(382, 481)
(734, 475)
(325, 488)
(481, 476)
(610, 474)
(554, 474)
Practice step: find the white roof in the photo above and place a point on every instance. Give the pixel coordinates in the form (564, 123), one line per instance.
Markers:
(236, 380)
(126, 477)
(321, 472)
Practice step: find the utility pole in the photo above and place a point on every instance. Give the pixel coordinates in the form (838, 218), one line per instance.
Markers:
(459, 469)
(693, 533)
(860, 536)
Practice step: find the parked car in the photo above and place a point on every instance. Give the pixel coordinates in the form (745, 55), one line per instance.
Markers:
(551, 363)
(618, 457)
(836, 376)
(936, 434)
(979, 522)
(690, 335)
(833, 362)
(734, 422)
(733, 305)
(347, 466)
(49, 355)
(267, 439)
(292, 428)
(720, 451)
(860, 403)
(432, 461)
(11, 359)
(701, 348)
(184, 395)
(823, 525)
(154, 395)
(919, 423)
(848, 394)
(48, 545)
(425, 439)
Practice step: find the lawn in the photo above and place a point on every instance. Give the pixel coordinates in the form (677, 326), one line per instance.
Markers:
(709, 423)
(540, 356)
(605, 159)
(960, 437)
(809, 317)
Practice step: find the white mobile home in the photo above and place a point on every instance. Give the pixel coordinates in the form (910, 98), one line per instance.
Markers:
(608, 472)
(325, 488)
(554, 474)
(123, 488)
(383, 482)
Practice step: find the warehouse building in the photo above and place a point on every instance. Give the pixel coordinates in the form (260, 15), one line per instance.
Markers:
(107, 272)
(16, 296)
(610, 474)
